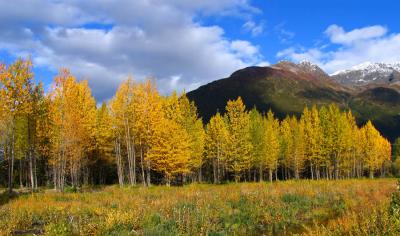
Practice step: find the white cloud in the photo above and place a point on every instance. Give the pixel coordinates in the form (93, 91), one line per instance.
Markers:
(142, 38)
(244, 49)
(313, 55)
(372, 43)
(263, 63)
(253, 28)
(339, 36)
(284, 35)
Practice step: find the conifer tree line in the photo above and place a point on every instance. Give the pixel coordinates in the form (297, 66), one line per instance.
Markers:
(61, 138)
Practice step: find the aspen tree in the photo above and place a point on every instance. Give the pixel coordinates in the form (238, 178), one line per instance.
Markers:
(377, 149)
(349, 145)
(298, 152)
(57, 130)
(328, 140)
(239, 145)
(169, 150)
(316, 142)
(43, 133)
(149, 108)
(336, 124)
(271, 142)
(385, 152)
(72, 116)
(193, 125)
(123, 118)
(216, 145)
(104, 136)
(257, 137)
(286, 143)
(309, 138)
(15, 91)
(35, 117)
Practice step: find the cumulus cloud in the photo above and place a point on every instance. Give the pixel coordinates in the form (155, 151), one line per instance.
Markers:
(346, 49)
(313, 55)
(263, 63)
(339, 36)
(244, 49)
(105, 42)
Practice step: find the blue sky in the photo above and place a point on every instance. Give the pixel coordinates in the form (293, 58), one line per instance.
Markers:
(184, 44)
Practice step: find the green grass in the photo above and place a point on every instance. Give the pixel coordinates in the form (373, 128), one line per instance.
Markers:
(345, 207)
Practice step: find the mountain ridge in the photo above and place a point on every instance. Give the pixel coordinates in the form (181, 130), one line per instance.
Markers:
(368, 72)
(287, 88)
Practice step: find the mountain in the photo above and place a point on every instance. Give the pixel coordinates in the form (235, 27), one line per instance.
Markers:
(287, 88)
(369, 73)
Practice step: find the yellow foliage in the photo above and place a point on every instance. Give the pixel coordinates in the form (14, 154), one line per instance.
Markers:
(239, 145)
(169, 150)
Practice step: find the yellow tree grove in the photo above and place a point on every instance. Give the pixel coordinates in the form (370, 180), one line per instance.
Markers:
(72, 115)
(376, 149)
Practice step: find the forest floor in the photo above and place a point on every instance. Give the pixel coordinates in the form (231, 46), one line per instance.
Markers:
(343, 207)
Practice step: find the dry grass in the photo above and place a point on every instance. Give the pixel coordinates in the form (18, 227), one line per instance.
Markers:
(346, 207)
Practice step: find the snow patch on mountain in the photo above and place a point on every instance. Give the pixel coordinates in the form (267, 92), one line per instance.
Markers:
(369, 72)
(309, 65)
(370, 67)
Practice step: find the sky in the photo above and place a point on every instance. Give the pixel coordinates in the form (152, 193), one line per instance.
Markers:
(184, 44)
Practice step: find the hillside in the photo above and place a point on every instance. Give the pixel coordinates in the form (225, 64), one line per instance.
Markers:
(287, 88)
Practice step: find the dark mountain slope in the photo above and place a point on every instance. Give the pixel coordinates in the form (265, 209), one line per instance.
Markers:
(382, 106)
(283, 90)
(287, 88)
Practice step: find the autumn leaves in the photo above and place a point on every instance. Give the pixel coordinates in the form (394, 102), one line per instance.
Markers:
(162, 134)
(140, 136)
(324, 143)
(72, 116)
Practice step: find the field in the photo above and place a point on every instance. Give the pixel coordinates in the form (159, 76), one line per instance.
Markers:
(344, 207)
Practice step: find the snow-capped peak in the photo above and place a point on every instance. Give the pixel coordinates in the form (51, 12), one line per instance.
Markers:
(363, 66)
(369, 72)
(370, 67)
(338, 72)
(308, 64)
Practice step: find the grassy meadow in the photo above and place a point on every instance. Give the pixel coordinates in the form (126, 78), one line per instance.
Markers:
(343, 207)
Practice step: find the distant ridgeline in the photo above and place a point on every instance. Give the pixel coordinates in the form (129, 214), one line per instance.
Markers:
(370, 91)
(61, 138)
